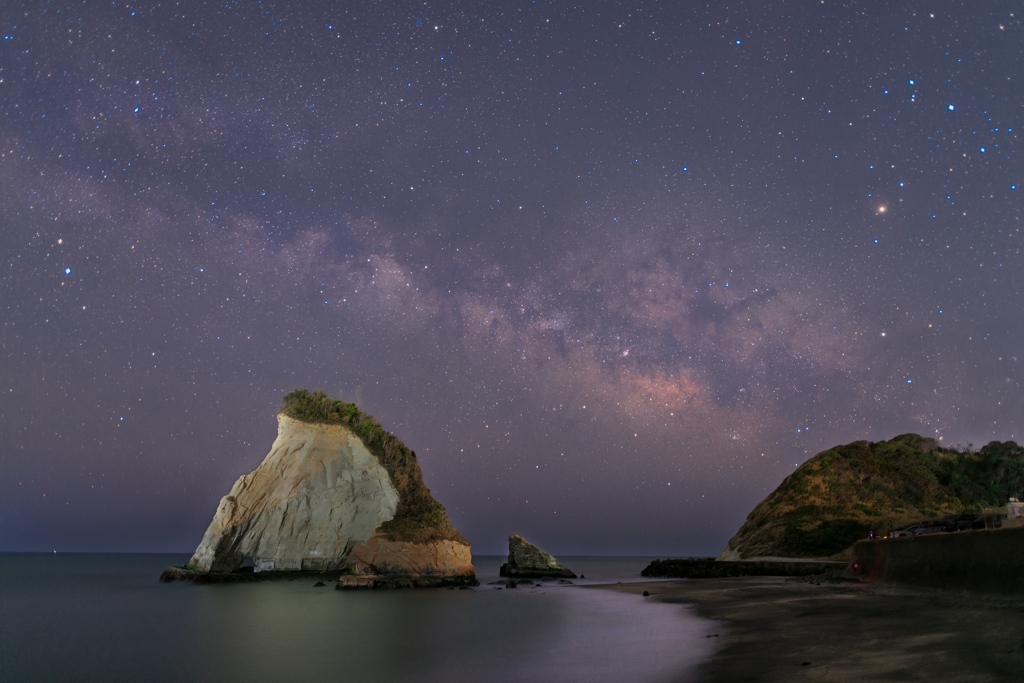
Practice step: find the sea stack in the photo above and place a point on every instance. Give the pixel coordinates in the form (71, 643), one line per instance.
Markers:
(336, 493)
(530, 562)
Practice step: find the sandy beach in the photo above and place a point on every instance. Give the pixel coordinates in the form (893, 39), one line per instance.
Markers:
(777, 629)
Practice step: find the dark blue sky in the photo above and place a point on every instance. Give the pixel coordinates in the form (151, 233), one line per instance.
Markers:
(612, 269)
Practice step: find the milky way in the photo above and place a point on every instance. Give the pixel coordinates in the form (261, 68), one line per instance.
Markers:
(613, 270)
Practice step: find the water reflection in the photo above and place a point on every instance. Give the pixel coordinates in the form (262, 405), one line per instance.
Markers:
(114, 622)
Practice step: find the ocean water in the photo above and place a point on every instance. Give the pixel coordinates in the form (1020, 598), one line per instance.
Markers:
(72, 617)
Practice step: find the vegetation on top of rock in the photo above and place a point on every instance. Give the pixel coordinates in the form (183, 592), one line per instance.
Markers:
(839, 495)
(419, 517)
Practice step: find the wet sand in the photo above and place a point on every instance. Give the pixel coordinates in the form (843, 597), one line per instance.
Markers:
(778, 629)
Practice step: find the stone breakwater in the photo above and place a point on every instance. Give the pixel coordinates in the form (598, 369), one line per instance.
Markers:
(709, 568)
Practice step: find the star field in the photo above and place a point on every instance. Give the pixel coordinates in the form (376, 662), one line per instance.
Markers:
(612, 269)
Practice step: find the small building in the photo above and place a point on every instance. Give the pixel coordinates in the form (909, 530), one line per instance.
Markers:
(1010, 515)
(1014, 513)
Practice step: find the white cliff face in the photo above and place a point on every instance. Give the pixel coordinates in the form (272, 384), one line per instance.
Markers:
(317, 495)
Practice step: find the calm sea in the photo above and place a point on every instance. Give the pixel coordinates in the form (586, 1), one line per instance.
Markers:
(70, 617)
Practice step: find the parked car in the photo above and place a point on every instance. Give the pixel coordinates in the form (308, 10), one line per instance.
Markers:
(928, 526)
(931, 526)
(965, 523)
(909, 531)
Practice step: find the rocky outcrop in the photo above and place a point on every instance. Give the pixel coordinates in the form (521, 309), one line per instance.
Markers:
(528, 561)
(317, 495)
(842, 494)
(324, 500)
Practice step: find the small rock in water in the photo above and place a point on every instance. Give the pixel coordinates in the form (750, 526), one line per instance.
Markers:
(527, 560)
(319, 584)
(646, 593)
(583, 576)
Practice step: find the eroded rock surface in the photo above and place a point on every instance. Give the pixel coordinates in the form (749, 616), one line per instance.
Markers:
(381, 556)
(528, 561)
(317, 503)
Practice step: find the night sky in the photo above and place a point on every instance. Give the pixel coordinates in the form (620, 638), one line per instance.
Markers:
(612, 269)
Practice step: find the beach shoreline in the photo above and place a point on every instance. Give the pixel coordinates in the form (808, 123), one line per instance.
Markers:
(778, 629)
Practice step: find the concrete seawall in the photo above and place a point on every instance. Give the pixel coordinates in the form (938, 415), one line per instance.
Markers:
(989, 560)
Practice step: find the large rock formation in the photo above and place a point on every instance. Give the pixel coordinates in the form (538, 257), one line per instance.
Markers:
(335, 493)
(841, 494)
(528, 561)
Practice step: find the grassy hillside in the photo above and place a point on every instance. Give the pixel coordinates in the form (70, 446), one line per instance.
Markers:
(838, 496)
(419, 517)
